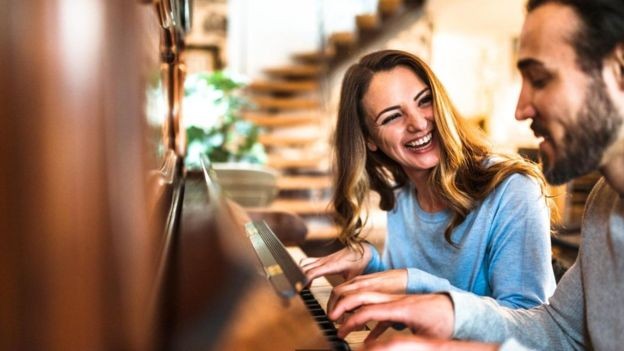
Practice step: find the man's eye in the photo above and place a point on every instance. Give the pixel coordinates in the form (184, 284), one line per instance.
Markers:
(538, 80)
(539, 83)
(390, 118)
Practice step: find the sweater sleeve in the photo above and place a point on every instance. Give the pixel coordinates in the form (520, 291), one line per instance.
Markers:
(376, 263)
(519, 270)
(419, 281)
(558, 325)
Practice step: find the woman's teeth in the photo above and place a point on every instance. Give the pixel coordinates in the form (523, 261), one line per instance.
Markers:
(420, 142)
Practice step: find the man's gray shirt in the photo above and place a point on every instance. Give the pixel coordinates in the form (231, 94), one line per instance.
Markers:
(587, 308)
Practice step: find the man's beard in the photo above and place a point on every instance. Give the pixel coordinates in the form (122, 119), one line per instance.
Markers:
(585, 140)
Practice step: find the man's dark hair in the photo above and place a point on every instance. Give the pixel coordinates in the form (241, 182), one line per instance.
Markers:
(602, 28)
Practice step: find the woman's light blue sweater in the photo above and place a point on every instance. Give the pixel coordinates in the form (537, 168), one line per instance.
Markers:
(503, 246)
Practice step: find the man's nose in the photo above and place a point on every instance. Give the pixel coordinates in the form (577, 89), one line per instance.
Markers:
(524, 108)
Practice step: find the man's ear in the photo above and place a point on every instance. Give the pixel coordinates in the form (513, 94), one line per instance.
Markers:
(371, 146)
(618, 64)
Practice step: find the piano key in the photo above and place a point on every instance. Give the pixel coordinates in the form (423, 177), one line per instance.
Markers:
(318, 294)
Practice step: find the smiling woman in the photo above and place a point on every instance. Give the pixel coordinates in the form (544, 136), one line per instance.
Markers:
(401, 124)
(459, 216)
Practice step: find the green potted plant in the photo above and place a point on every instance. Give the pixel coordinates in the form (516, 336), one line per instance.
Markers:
(214, 123)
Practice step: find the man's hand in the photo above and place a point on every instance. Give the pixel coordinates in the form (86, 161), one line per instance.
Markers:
(391, 282)
(348, 262)
(419, 343)
(430, 315)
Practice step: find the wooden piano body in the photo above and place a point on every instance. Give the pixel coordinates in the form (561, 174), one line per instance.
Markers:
(213, 294)
(106, 244)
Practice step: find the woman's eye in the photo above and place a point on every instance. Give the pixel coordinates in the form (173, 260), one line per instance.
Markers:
(390, 118)
(425, 101)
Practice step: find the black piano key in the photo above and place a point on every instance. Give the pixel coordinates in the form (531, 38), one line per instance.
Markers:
(320, 318)
(326, 325)
(317, 312)
(341, 346)
(338, 344)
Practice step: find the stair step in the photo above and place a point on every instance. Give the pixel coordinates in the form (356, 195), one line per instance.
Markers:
(343, 43)
(326, 232)
(367, 22)
(287, 140)
(388, 8)
(343, 38)
(302, 207)
(280, 103)
(295, 71)
(304, 182)
(281, 163)
(264, 119)
(316, 56)
(282, 87)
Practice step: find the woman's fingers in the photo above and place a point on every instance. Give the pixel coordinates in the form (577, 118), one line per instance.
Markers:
(346, 262)
(321, 268)
(358, 284)
(307, 261)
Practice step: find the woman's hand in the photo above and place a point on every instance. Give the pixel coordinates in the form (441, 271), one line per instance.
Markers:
(347, 262)
(390, 282)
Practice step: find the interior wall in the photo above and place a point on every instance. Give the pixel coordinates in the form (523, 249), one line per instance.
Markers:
(266, 33)
(474, 57)
(472, 68)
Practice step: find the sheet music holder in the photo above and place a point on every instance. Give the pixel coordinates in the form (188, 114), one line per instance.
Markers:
(281, 270)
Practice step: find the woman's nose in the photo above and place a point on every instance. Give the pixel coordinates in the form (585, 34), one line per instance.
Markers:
(416, 122)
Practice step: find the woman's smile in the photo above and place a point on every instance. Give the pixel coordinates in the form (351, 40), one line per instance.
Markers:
(421, 144)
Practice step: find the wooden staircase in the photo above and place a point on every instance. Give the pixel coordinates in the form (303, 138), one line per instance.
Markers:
(290, 108)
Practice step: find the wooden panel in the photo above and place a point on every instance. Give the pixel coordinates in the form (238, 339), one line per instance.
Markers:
(76, 255)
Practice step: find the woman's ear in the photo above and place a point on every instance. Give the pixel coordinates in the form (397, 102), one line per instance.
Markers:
(371, 146)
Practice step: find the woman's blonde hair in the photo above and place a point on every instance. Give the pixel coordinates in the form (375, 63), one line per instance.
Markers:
(461, 179)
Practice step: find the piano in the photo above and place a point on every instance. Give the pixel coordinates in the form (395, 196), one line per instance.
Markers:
(216, 294)
(108, 242)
